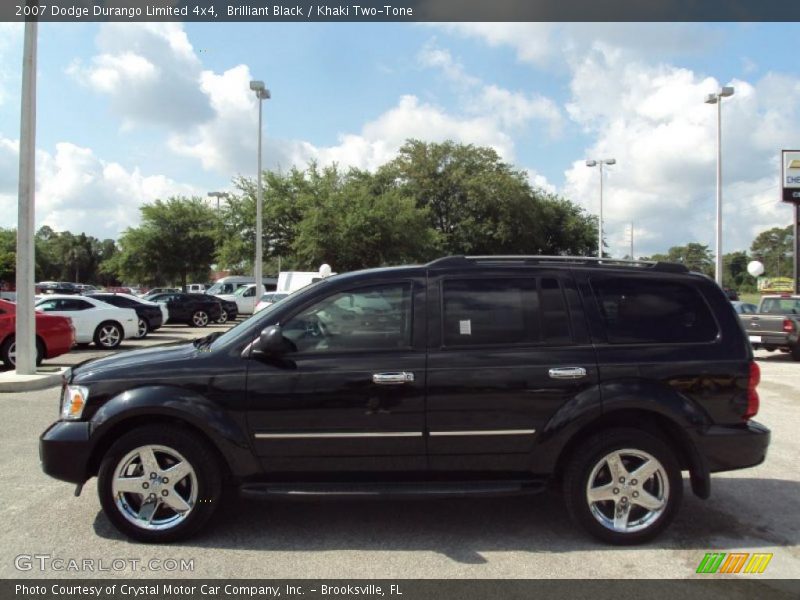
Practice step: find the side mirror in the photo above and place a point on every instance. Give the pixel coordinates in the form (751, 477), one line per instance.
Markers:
(271, 341)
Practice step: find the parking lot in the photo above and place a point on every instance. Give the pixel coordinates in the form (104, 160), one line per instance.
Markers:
(755, 510)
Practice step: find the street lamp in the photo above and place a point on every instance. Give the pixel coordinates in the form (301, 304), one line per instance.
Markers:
(262, 93)
(600, 163)
(716, 98)
(217, 195)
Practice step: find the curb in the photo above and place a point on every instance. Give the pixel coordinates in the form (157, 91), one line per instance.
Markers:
(11, 382)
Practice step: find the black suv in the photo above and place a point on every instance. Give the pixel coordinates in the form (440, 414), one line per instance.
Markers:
(466, 375)
(195, 310)
(150, 316)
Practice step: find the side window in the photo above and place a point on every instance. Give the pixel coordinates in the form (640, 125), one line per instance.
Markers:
(75, 305)
(504, 311)
(648, 311)
(369, 318)
(49, 305)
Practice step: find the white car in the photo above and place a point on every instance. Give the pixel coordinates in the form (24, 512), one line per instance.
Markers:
(94, 320)
(269, 299)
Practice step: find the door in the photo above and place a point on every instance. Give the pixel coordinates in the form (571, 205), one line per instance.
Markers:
(504, 357)
(78, 310)
(350, 395)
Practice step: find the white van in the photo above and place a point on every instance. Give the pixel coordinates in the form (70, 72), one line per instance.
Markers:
(229, 285)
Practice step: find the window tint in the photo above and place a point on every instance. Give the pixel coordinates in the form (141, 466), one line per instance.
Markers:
(649, 311)
(504, 311)
(49, 305)
(371, 318)
(75, 305)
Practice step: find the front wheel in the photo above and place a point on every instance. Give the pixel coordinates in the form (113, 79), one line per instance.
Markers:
(159, 484)
(623, 486)
(199, 318)
(143, 328)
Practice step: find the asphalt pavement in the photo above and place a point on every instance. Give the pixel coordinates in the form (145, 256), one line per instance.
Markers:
(755, 510)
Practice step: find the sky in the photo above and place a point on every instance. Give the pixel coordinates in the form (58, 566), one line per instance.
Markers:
(127, 113)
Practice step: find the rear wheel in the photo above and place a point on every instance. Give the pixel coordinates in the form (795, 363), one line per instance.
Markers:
(623, 486)
(8, 352)
(143, 328)
(795, 351)
(223, 317)
(199, 318)
(108, 335)
(159, 484)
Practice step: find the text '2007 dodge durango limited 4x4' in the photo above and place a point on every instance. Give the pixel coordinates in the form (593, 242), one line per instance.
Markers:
(467, 375)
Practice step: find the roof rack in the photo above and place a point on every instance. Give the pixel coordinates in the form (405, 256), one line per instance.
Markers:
(590, 261)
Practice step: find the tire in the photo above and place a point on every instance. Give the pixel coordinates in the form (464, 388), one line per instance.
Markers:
(108, 335)
(143, 328)
(619, 519)
(8, 352)
(199, 319)
(197, 492)
(795, 351)
(223, 317)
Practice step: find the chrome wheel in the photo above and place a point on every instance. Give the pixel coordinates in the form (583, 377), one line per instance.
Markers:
(627, 491)
(143, 329)
(12, 354)
(223, 317)
(109, 336)
(200, 318)
(154, 487)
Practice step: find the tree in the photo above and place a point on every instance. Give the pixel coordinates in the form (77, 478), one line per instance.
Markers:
(734, 272)
(696, 257)
(774, 248)
(480, 205)
(8, 255)
(175, 241)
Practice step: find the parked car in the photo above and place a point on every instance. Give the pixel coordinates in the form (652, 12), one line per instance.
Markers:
(269, 299)
(94, 320)
(732, 294)
(54, 335)
(196, 288)
(776, 324)
(160, 290)
(463, 376)
(150, 315)
(57, 287)
(744, 308)
(85, 288)
(230, 311)
(195, 310)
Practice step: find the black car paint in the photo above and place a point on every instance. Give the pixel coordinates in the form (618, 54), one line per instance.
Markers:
(150, 313)
(693, 394)
(182, 306)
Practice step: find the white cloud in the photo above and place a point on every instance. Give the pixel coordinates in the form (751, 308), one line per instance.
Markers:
(80, 192)
(652, 119)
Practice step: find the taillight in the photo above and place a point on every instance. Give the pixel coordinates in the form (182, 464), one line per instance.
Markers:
(788, 325)
(752, 392)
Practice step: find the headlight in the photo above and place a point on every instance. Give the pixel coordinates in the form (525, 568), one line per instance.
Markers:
(73, 400)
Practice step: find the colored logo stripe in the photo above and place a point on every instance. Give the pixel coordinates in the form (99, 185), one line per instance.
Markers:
(711, 562)
(716, 562)
(734, 562)
(758, 563)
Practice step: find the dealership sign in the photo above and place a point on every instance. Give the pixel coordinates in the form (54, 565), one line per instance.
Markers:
(790, 175)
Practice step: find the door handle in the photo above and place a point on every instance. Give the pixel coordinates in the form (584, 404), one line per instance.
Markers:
(567, 373)
(398, 378)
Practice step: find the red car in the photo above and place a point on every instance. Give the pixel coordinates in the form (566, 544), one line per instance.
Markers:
(54, 335)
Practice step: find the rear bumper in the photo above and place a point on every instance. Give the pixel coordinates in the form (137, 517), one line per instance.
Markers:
(64, 450)
(726, 448)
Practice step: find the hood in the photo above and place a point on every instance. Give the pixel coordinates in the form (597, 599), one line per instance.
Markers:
(228, 297)
(156, 361)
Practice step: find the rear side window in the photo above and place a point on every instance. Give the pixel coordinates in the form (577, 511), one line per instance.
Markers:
(644, 311)
(504, 311)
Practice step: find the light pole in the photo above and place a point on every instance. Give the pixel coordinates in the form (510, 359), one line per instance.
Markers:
(217, 195)
(716, 98)
(262, 93)
(600, 163)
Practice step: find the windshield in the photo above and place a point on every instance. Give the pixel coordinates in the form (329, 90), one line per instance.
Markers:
(781, 306)
(220, 288)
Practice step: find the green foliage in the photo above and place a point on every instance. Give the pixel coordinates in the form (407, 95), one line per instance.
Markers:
(696, 257)
(774, 248)
(175, 241)
(8, 255)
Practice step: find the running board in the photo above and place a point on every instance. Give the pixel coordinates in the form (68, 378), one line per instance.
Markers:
(391, 490)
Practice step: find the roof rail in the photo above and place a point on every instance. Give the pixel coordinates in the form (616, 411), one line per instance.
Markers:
(591, 261)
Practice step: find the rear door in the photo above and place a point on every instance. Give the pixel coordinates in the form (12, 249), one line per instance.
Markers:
(504, 357)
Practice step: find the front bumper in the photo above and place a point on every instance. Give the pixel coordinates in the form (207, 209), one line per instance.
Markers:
(726, 448)
(64, 450)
